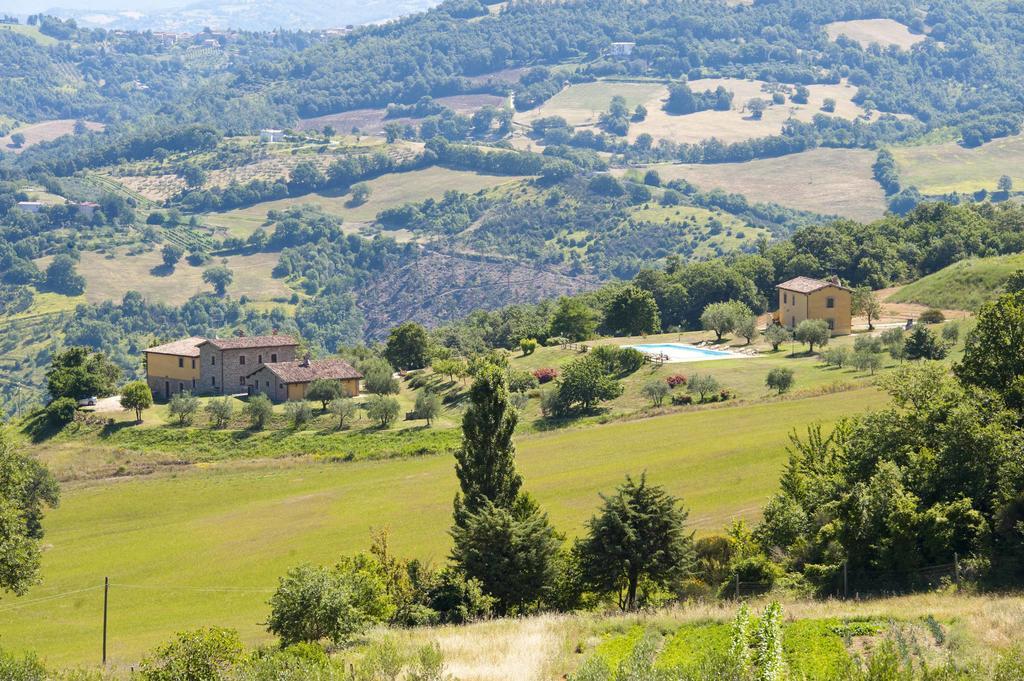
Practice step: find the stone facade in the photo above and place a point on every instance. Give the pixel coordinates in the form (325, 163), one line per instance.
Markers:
(225, 363)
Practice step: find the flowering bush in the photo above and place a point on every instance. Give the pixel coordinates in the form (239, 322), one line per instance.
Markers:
(546, 374)
(676, 380)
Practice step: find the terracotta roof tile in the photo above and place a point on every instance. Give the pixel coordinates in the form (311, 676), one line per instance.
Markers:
(246, 342)
(188, 347)
(807, 285)
(301, 372)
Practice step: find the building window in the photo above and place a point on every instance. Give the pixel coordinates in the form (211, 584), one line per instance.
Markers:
(241, 359)
(213, 380)
(213, 359)
(181, 387)
(273, 358)
(830, 302)
(785, 298)
(193, 362)
(831, 324)
(282, 386)
(259, 359)
(241, 380)
(193, 384)
(181, 362)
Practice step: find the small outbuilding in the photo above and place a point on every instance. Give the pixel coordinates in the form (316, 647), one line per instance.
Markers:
(285, 381)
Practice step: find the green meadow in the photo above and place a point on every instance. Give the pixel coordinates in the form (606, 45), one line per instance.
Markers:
(204, 544)
(964, 285)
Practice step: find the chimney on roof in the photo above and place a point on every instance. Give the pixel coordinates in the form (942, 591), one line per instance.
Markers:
(834, 280)
(273, 332)
(240, 332)
(305, 360)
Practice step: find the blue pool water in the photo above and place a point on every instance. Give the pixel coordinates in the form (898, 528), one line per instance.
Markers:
(680, 352)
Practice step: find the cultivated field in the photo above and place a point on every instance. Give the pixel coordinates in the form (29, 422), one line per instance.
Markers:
(43, 132)
(943, 168)
(826, 181)
(388, 191)
(582, 104)
(204, 546)
(372, 121)
(885, 32)
(965, 285)
(110, 278)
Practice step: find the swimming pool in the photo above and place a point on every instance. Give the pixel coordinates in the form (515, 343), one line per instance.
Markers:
(680, 352)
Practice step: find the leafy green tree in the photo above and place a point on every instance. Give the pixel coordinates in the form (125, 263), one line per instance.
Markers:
(183, 406)
(702, 385)
(408, 346)
(26, 487)
(865, 360)
(994, 350)
(836, 357)
(639, 534)
(528, 346)
(923, 343)
(746, 326)
(61, 411)
(1005, 184)
(345, 409)
(632, 312)
(360, 194)
(383, 409)
(723, 318)
(951, 333)
(812, 332)
(61, 277)
(379, 377)
(780, 379)
(298, 412)
(1015, 282)
(865, 303)
(171, 254)
(452, 368)
(18, 140)
(776, 334)
(573, 320)
(136, 396)
(200, 655)
(259, 410)
(584, 383)
(221, 409)
(219, 278)
(79, 372)
(486, 463)
(323, 390)
(316, 603)
(511, 551)
(656, 390)
(428, 406)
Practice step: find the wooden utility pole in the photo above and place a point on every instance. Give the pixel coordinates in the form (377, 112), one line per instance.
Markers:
(846, 579)
(106, 591)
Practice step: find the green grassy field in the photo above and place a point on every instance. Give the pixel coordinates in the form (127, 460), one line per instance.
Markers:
(389, 191)
(965, 285)
(204, 545)
(944, 168)
(30, 32)
(826, 181)
(885, 32)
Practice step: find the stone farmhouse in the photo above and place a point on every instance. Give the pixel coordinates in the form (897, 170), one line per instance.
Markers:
(806, 298)
(241, 364)
(283, 381)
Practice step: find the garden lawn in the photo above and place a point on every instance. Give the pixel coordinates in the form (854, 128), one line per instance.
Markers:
(204, 546)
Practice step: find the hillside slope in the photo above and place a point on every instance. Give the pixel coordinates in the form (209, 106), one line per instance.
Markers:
(965, 285)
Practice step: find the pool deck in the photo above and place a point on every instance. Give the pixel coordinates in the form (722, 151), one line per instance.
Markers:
(689, 353)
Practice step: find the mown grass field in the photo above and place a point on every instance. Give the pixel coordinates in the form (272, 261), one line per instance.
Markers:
(826, 181)
(965, 285)
(885, 32)
(170, 542)
(943, 168)
(389, 191)
(43, 132)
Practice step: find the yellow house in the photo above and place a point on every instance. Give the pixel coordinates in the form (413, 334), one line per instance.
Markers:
(173, 367)
(806, 298)
(284, 381)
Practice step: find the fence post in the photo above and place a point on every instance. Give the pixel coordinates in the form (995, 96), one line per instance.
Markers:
(956, 568)
(737, 586)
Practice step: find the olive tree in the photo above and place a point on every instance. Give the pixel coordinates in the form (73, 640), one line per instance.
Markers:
(812, 332)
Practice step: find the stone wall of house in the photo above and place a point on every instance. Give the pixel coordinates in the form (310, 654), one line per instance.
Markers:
(224, 371)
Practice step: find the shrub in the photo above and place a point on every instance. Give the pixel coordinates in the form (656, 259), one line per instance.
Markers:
(932, 316)
(656, 391)
(183, 406)
(379, 377)
(220, 411)
(836, 357)
(584, 384)
(630, 360)
(867, 344)
(545, 374)
(922, 343)
(780, 379)
(27, 668)
(61, 411)
(298, 412)
(682, 399)
(528, 345)
(258, 410)
(675, 380)
(201, 655)
(522, 381)
(383, 409)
